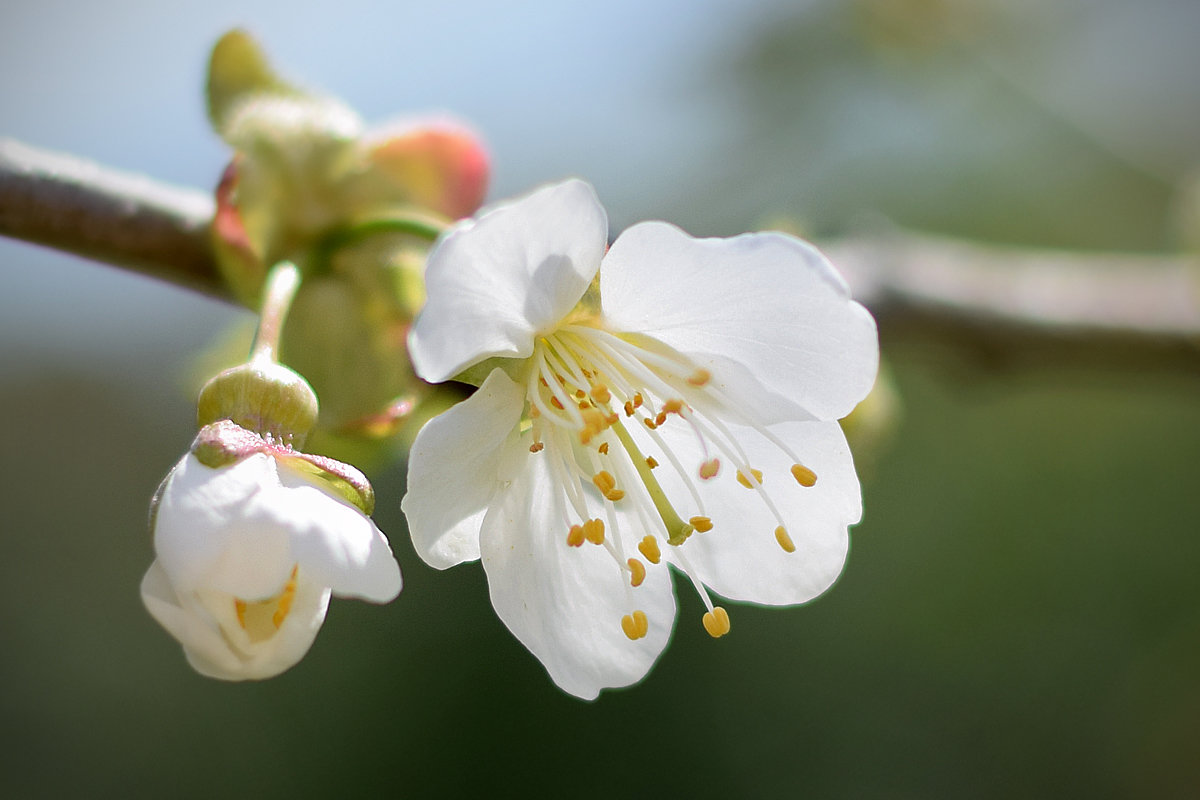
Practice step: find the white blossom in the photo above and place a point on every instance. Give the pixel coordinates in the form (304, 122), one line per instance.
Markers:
(670, 401)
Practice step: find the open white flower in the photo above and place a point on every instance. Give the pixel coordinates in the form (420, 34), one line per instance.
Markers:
(248, 554)
(671, 401)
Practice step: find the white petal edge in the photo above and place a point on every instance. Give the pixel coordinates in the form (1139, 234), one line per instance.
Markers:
(765, 313)
(740, 557)
(564, 603)
(453, 471)
(494, 281)
(334, 543)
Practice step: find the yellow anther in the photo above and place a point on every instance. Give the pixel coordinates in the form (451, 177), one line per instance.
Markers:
(699, 377)
(648, 547)
(603, 448)
(575, 536)
(537, 447)
(629, 408)
(554, 401)
(534, 413)
(637, 399)
(285, 601)
(593, 531)
(635, 625)
(239, 608)
(604, 481)
(637, 570)
(745, 481)
(614, 495)
(716, 622)
(710, 468)
(785, 541)
(580, 394)
(611, 419)
(803, 475)
(702, 524)
(600, 393)
(672, 406)
(584, 404)
(649, 423)
(650, 462)
(660, 419)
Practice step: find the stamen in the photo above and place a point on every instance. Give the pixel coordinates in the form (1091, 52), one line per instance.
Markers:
(700, 377)
(716, 622)
(702, 524)
(601, 394)
(629, 408)
(785, 541)
(803, 475)
(537, 447)
(672, 406)
(576, 536)
(650, 462)
(635, 625)
(745, 481)
(603, 448)
(638, 572)
(710, 468)
(593, 531)
(648, 547)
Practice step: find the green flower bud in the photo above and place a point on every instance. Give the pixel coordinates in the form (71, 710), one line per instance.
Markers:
(261, 396)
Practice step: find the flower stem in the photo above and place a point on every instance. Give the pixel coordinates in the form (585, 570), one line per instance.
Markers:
(278, 292)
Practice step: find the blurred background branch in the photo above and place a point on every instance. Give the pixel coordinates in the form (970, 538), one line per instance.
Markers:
(1005, 306)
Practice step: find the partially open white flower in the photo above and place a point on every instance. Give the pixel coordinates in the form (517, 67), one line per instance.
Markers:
(248, 554)
(671, 401)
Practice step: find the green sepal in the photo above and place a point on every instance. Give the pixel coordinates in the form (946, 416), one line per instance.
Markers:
(237, 71)
(344, 480)
(222, 443)
(262, 396)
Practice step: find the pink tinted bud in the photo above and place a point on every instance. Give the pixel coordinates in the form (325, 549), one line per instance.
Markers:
(442, 166)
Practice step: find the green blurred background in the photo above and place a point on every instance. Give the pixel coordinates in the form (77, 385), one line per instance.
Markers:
(1020, 614)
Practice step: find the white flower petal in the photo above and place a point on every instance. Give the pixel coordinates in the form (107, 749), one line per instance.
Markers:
(492, 283)
(740, 557)
(212, 528)
(453, 471)
(765, 313)
(335, 544)
(207, 651)
(565, 603)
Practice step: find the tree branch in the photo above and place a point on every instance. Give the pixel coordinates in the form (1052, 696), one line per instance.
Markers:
(100, 213)
(1004, 307)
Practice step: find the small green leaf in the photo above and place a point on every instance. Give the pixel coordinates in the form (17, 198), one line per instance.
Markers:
(237, 71)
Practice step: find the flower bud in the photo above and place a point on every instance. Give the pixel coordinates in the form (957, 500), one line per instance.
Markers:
(261, 396)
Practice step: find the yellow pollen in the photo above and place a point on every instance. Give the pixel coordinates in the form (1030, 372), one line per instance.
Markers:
(673, 406)
(744, 481)
(651, 424)
(628, 408)
(285, 601)
(648, 547)
(702, 524)
(604, 481)
(575, 536)
(716, 622)
(638, 570)
(709, 469)
(614, 495)
(537, 447)
(803, 475)
(603, 448)
(600, 393)
(593, 531)
(650, 462)
(584, 404)
(699, 377)
(261, 618)
(635, 625)
(580, 394)
(785, 541)
(637, 399)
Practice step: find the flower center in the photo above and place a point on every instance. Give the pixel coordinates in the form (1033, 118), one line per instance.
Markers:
(261, 619)
(586, 387)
